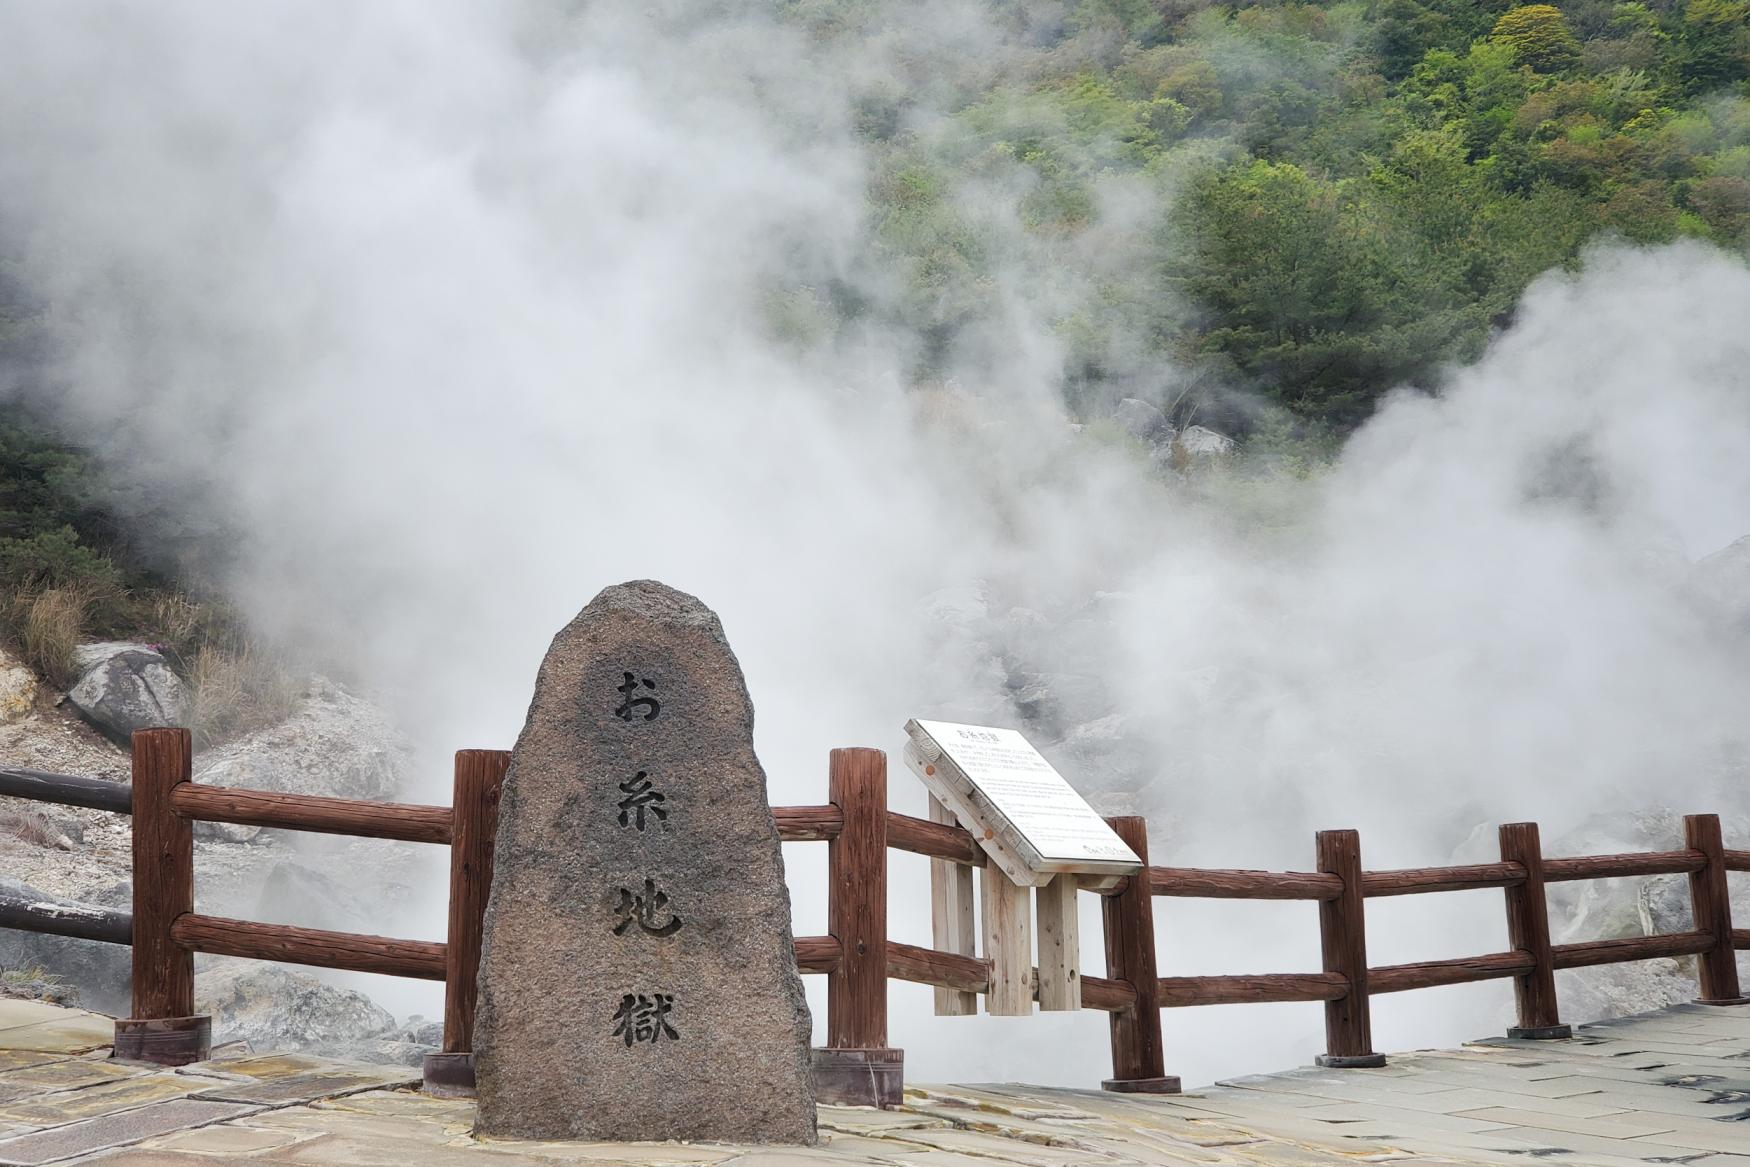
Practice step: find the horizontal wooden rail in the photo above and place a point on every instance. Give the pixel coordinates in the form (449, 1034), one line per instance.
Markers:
(817, 954)
(1629, 948)
(80, 921)
(1208, 883)
(407, 822)
(1741, 937)
(1429, 974)
(68, 790)
(947, 970)
(1110, 996)
(937, 840)
(1622, 866)
(801, 824)
(1416, 880)
(1738, 860)
(1252, 989)
(372, 954)
(971, 974)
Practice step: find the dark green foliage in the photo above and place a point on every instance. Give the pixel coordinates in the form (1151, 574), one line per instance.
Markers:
(1356, 193)
(55, 559)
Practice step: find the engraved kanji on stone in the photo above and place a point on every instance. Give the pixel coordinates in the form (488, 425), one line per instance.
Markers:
(636, 702)
(644, 1017)
(643, 908)
(640, 796)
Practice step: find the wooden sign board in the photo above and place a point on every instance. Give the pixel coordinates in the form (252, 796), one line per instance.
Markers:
(1028, 819)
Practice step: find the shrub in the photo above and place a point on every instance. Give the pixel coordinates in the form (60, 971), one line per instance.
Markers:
(56, 559)
(49, 626)
(237, 692)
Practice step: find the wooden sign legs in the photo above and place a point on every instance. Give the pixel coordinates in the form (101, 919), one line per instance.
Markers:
(1008, 920)
(951, 919)
(1008, 944)
(1060, 943)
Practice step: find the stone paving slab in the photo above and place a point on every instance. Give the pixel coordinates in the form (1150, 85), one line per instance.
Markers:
(1669, 1088)
(69, 1141)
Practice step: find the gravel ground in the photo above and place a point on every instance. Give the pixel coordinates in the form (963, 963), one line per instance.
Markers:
(228, 875)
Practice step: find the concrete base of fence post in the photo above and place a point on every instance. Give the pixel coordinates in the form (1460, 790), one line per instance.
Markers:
(1167, 1085)
(163, 1041)
(1540, 1032)
(449, 1075)
(859, 1077)
(1725, 1001)
(1349, 1061)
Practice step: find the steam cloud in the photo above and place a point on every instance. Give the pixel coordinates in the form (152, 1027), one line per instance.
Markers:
(425, 321)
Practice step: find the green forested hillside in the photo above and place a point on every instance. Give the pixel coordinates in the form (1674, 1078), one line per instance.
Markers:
(1210, 205)
(1358, 190)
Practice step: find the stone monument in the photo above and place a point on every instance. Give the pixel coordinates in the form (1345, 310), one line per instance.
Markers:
(638, 978)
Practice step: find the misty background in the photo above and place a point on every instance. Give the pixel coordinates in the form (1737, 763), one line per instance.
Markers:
(407, 327)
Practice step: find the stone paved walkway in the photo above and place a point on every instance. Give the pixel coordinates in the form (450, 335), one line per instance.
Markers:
(1669, 1087)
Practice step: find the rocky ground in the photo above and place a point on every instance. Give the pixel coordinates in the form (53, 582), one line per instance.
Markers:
(335, 744)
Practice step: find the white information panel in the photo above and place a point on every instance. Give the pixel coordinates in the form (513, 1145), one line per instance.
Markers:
(1008, 795)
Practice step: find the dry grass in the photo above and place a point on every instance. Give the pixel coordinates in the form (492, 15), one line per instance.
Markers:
(33, 827)
(49, 626)
(236, 692)
(235, 687)
(176, 621)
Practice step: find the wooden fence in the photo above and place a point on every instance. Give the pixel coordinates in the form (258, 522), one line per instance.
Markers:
(856, 956)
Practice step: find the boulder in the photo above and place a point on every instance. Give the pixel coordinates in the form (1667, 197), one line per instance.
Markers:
(1607, 909)
(304, 897)
(98, 974)
(1143, 421)
(335, 743)
(1056, 702)
(1199, 442)
(129, 686)
(964, 606)
(1107, 757)
(226, 832)
(274, 1008)
(17, 688)
(1722, 583)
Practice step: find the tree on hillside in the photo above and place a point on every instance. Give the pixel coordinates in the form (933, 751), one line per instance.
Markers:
(1312, 289)
(1714, 44)
(1539, 37)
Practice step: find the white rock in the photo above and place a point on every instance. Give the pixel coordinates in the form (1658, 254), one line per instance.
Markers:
(274, 1008)
(127, 687)
(1201, 442)
(335, 744)
(1722, 581)
(961, 606)
(17, 688)
(1142, 421)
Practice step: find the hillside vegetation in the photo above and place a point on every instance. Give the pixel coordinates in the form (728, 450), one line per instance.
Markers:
(1358, 191)
(1211, 206)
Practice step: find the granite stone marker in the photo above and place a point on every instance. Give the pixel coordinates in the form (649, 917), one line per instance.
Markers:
(638, 978)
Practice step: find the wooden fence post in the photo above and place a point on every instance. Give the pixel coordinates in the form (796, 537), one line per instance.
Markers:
(1343, 937)
(1528, 932)
(1138, 1060)
(1711, 902)
(857, 1068)
(164, 1028)
(473, 832)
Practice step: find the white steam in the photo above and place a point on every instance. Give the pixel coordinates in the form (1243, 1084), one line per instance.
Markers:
(429, 321)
